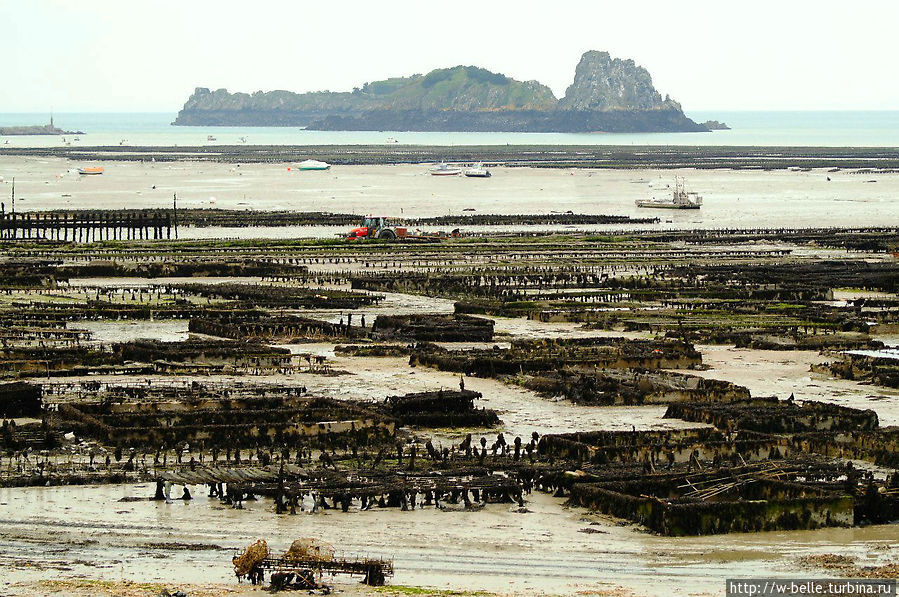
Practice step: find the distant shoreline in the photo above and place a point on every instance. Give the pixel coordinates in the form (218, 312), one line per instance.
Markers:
(36, 129)
(878, 159)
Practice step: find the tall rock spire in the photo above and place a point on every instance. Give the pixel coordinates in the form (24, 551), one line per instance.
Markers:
(605, 83)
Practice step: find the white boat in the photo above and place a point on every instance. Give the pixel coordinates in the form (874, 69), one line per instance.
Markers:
(313, 165)
(210, 138)
(477, 171)
(392, 140)
(445, 170)
(680, 199)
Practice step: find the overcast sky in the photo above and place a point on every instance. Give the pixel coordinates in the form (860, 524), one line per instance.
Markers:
(130, 56)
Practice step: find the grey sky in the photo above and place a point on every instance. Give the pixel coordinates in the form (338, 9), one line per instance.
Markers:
(148, 56)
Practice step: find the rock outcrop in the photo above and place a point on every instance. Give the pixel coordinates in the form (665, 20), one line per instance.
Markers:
(715, 125)
(610, 95)
(605, 83)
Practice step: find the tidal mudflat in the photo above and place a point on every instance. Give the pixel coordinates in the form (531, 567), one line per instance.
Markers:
(638, 410)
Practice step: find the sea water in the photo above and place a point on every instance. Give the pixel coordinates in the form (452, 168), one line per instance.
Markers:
(808, 129)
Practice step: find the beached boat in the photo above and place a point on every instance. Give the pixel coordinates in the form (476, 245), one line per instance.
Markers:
(445, 170)
(313, 165)
(91, 171)
(210, 138)
(392, 140)
(680, 199)
(477, 171)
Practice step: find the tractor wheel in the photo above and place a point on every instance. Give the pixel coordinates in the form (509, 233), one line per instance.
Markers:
(388, 235)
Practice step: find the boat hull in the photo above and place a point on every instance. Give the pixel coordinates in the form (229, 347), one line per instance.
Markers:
(656, 205)
(680, 198)
(308, 165)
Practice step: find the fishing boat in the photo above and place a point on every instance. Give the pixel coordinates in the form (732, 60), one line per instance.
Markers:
(680, 199)
(443, 169)
(313, 165)
(90, 171)
(477, 171)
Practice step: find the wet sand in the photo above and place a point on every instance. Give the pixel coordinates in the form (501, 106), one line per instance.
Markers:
(84, 532)
(781, 373)
(733, 198)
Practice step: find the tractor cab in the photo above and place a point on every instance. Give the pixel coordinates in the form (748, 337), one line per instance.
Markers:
(374, 223)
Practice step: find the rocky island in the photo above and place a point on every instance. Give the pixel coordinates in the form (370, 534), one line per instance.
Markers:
(607, 95)
(715, 125)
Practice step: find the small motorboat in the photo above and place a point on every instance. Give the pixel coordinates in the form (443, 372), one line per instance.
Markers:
(443, 169)
(90, 171)
(477, 171)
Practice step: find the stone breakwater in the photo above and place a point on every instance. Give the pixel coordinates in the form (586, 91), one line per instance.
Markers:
(37, 129)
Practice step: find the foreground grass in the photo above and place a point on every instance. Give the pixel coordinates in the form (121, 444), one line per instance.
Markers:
(78, 587)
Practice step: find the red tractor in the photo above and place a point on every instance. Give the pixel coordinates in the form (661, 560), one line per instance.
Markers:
(377, 227)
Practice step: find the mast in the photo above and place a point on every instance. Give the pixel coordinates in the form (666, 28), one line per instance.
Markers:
(175, 212)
